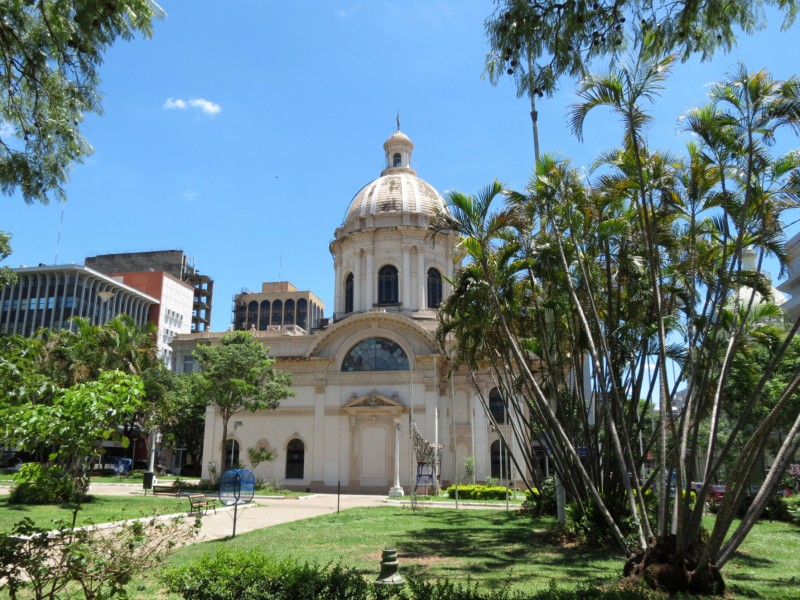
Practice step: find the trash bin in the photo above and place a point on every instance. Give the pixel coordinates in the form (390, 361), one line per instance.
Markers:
(147, 480)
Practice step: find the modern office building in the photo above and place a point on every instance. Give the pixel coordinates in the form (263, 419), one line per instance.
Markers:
(174, 262)
(367, 378)
(173, 313)
(49, 295)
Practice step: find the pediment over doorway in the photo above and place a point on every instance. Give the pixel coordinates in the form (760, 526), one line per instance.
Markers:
(373, 403)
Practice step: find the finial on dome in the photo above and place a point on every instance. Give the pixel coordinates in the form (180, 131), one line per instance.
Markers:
(398, 120)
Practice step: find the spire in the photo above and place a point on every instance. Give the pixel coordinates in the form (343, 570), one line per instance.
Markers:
(398, 120)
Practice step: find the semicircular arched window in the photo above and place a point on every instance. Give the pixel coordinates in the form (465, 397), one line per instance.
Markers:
(375, 354)
(388, 285)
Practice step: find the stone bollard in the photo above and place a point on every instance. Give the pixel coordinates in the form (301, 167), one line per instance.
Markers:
(389, 574)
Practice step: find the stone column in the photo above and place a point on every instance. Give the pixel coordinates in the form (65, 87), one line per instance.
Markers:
(422, 278)
(358, 287)
(396, 490)
(369, 294)
(405, 300)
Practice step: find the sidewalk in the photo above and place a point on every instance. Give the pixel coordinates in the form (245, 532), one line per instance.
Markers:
(262, 512)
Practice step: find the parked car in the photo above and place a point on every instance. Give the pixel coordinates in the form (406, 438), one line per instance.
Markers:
(716, 493)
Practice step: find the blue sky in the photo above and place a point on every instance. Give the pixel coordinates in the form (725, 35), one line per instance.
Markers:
(241, 131)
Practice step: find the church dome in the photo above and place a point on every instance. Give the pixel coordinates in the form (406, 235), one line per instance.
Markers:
(398, 190)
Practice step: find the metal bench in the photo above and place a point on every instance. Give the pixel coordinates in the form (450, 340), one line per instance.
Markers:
(198, 502)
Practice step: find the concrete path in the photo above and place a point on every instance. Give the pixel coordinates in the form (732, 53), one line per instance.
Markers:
(263, 512)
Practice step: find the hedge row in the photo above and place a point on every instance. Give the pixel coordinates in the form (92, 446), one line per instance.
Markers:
(479, 492)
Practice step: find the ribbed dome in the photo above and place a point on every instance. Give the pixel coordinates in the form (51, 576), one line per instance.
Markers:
(395, 193)
(398, 190)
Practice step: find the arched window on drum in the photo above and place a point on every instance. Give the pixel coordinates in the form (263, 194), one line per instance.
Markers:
(388, 285)
(434, 288)
(348, 294)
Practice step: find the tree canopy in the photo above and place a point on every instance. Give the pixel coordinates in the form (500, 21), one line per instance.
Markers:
(239, 375)
(538, 42)
(579, 293)
(50, 55)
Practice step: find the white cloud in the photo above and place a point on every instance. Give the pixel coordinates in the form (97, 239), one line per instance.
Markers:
(206, 106)
(189, 196)
(172, 103)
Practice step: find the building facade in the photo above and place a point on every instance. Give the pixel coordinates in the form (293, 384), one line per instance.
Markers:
(173, 313)
(279, 306)
(367, 378)
(174, 262)
(48, 296)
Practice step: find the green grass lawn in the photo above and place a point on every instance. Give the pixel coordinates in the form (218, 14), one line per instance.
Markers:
(495, 548)
(492, 547)
(102, 509)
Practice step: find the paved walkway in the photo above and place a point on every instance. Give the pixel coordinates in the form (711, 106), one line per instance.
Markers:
(263, 512)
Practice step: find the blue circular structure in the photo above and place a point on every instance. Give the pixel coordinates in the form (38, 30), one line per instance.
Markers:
(236, 486)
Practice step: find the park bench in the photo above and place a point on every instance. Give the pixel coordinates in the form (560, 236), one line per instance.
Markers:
(198, 502)
(165, 489)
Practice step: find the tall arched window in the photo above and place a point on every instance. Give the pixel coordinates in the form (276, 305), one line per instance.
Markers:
(252, 314)
(375, 354)
(263, 316)
(387, 285)
(295, 459)
(277, 312)
(501, 462)
(348, 294)
(231, 454)
(288, 312)
(397, 160)
(302, 312)
(496, 406)
(434, 288)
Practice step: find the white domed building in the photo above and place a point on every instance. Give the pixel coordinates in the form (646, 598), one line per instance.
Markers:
(362, 377)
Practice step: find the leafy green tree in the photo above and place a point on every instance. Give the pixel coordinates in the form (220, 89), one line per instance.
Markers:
(73, 425)
(182, 420)
(7, 276)
(238, 375)
(539, 42)
(52, 51)
(630, 270)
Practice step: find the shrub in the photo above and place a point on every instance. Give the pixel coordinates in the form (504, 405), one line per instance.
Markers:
(547, 497)
(251, 574)
(259, 455)
(478, 492)
(792, 505)
(533, 504)
(35, 563)
(42, 484)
